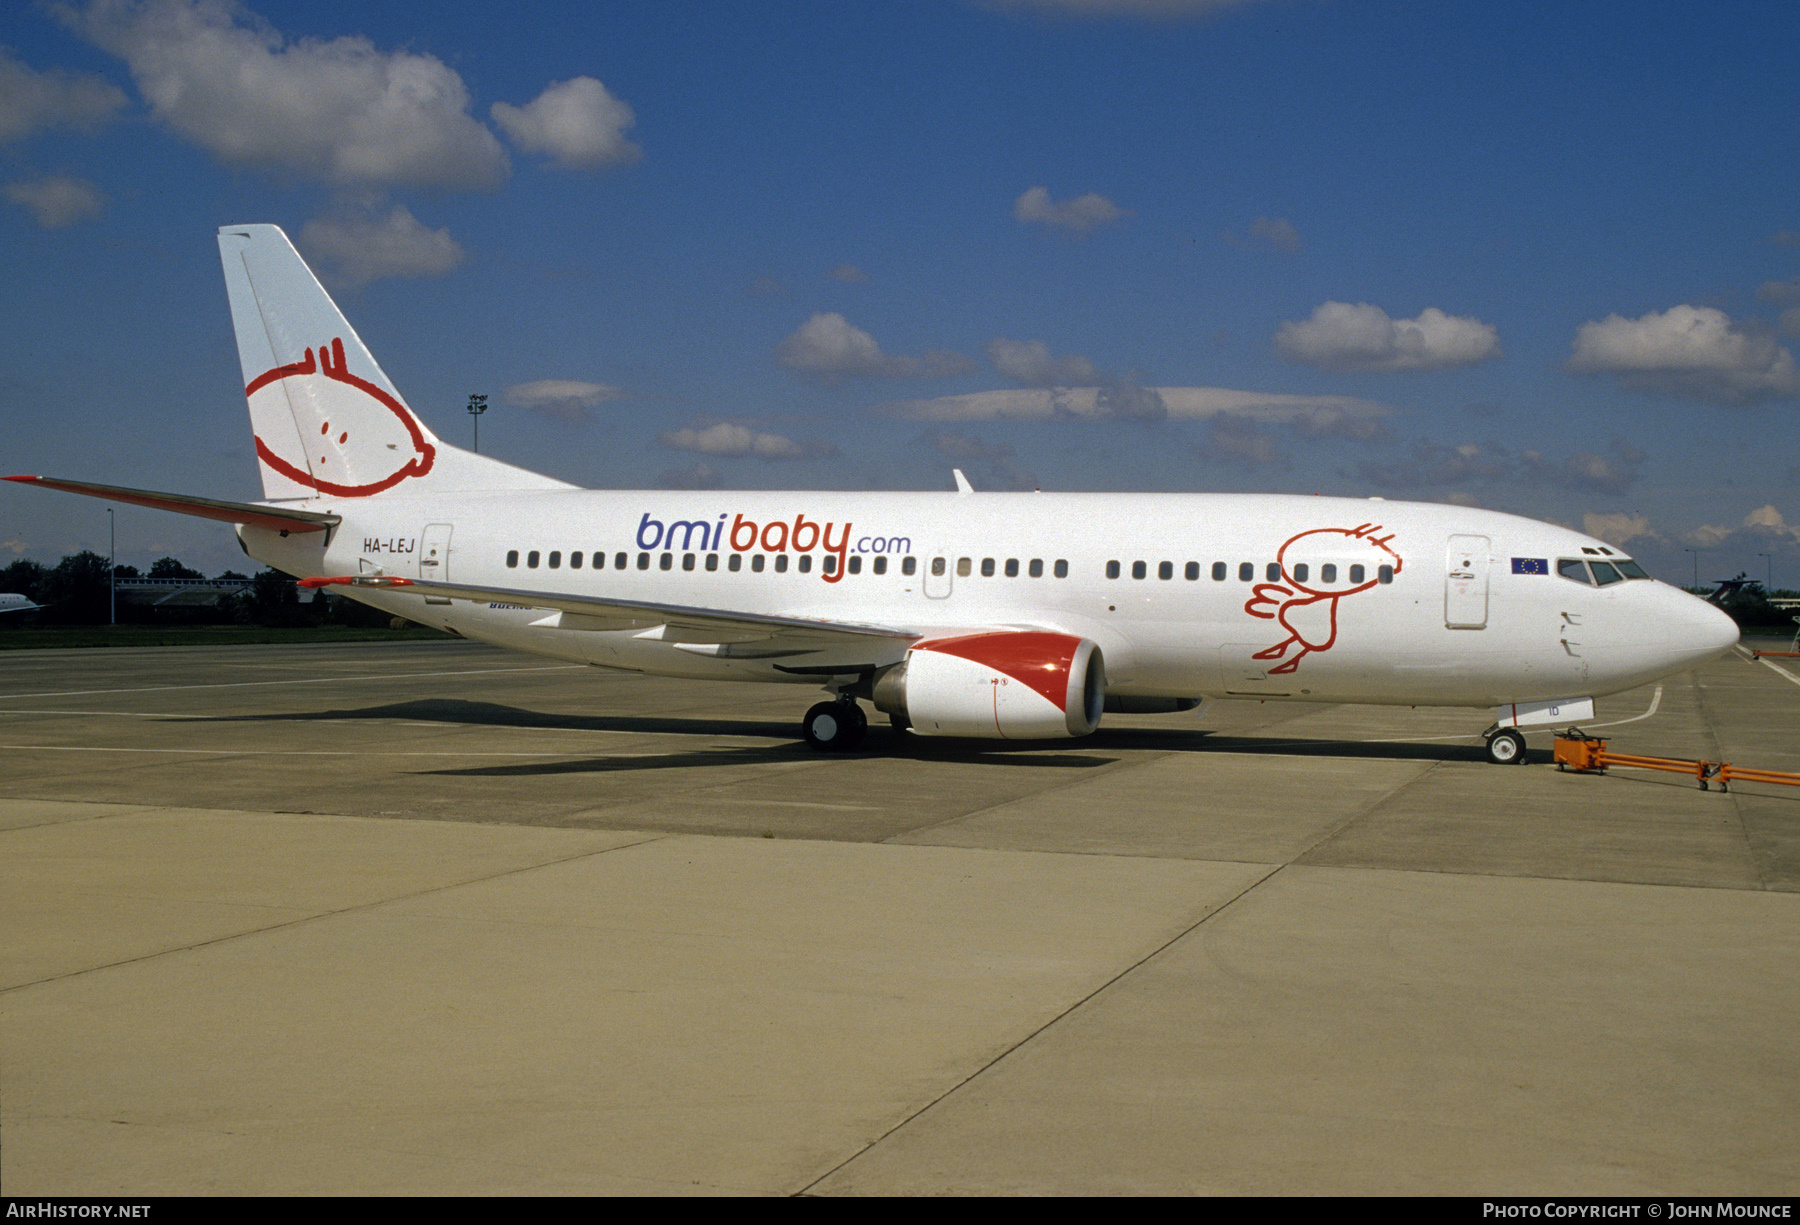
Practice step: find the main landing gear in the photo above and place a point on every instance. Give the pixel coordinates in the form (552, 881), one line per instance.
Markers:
(1506, 747)
(835, 727)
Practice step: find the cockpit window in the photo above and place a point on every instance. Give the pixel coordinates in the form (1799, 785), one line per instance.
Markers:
(1604, 573)
(1573, 568)
(1630, 569)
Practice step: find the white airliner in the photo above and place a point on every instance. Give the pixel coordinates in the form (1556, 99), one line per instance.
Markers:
(13, 602)
(997, 615)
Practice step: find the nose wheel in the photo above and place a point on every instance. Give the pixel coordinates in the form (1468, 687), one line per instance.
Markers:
(1506, 747)
(835, 727)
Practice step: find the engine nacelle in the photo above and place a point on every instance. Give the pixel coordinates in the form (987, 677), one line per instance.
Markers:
(1028, 685)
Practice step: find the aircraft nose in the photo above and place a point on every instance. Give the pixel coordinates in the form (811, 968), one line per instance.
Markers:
(1692, 630)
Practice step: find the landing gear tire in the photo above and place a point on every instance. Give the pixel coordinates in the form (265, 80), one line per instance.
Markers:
(835, 727)
(1506, 748)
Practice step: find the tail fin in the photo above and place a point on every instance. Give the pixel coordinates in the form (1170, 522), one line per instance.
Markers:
(326, 419)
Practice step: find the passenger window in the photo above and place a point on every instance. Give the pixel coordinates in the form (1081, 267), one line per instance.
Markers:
(1012, 567)
(963, 567)
(1356, 573)
(531, 560)
(1604, 573)
(1112, 569)
(756, 563)
(1138, 569)
(618, 561)
(911, 564)
(643, 561)
(687, 561)
(1037, 567)
(512, 559)
(735, 562)
(1062, 568)
(806, 563)
(780, 563)
(1272, 572)
(881, 565)
(1193, 571)
(1384, 574)
(828, 564)
(1246, 572)
(574, 561)
(1328, 573)
(1165, 569)
(937, 565)
(855, 564)
(712, 561)
(1218, 572)
(987, 567)
(666, 561)
(1573, 568)
(1301, 571)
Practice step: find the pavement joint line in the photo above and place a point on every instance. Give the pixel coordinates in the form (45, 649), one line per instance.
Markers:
(311, 680)
(1366, 810)
(1111, 767)
(1074, 1007)
(328, 914)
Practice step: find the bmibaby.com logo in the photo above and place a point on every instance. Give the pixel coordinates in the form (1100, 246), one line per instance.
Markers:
(801, 535)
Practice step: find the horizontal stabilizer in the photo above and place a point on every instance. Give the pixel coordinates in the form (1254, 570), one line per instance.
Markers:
(275, 518)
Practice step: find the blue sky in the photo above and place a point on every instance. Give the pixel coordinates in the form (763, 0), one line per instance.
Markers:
(1541, 257)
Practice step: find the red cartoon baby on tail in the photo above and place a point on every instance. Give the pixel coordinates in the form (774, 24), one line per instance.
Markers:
(1307, 606)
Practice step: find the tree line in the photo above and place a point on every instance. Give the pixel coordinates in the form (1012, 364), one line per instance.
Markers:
(77, 591)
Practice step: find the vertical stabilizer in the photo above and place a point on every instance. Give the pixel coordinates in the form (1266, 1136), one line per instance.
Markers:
(327, 420)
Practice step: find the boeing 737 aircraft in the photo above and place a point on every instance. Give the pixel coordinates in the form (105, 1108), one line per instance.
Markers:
(997, 615)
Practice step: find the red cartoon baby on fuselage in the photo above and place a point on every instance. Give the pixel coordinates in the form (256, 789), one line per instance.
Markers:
(1308, 609)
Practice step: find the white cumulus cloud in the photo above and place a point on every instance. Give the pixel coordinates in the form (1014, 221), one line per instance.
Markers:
(727, 438)
(1077, 216)
(1340, 416)
(578, 123)
(1363, 339)
(57, 199)
(1278, 232)
(828, 346)
(1029, 362)
(1691, 351)
(1620, 529)
(30, 99)
(358, 250)
(339, 111)
(567, 400)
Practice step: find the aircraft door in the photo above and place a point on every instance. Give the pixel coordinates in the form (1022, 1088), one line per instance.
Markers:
(1466, 583)
(434, 557)
(938, 576)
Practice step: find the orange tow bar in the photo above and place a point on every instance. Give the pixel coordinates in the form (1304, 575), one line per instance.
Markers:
(1588, 754)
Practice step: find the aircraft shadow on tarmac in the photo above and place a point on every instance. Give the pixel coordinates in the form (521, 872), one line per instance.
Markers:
(881, 740)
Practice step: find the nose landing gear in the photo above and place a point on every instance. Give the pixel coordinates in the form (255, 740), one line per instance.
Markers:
(1506, 747)
(835, 727)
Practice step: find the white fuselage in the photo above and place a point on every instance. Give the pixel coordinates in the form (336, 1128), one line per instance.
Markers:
(1475, 612)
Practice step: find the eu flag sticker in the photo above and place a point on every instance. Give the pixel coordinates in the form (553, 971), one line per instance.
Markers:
(1531, 565)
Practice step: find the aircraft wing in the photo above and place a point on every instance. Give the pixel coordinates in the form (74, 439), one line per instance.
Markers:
(275, 518)
(754, 634)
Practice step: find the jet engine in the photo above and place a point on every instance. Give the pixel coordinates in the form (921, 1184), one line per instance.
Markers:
(1023, 685)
